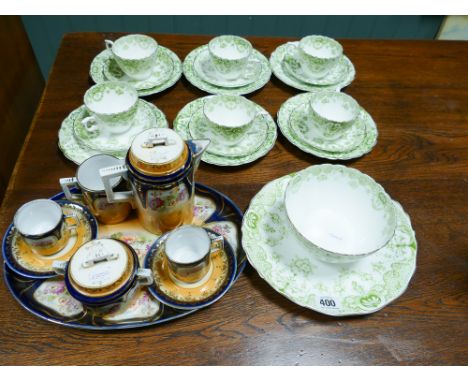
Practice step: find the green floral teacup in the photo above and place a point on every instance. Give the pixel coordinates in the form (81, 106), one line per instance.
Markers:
(230, 55)
(229, 117)
(319, 54)
(112, 106)
(332, 113)
(135, 54)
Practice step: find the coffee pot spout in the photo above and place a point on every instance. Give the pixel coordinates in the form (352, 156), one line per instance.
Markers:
(198, 147)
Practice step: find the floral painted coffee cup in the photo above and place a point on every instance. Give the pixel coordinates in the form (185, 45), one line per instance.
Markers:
(333, 113)
(229, 117)
(230, 55)
(92, 190)
(318, 54)
(135, 54)
(188, 251)
(43, 226)
(112, 105)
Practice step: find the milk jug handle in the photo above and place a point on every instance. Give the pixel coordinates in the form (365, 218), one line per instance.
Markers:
(109, 173)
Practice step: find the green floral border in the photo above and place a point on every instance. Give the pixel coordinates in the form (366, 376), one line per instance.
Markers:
(181, 125)
(284, 114)
(198, 82)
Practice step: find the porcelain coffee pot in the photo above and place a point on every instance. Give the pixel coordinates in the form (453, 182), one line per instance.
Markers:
(160, 167)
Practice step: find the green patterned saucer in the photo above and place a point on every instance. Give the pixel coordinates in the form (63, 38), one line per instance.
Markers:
(362, 287)
(145, 118)
(103, 60)
(283, 119)
(302, 124)
(77, 153)
(199, 129)
(345, 71)
(162, 70)
(181, 126)
(192, 76)
(205, 69)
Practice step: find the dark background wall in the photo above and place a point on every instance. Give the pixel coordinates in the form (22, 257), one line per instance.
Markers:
(45, 32)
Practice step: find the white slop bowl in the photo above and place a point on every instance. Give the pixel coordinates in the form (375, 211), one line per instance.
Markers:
(341, 214)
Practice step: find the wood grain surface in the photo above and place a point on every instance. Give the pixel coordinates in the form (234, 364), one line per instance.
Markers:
(417, 92)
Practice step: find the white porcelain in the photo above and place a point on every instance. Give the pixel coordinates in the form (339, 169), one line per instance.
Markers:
(112, 105)
(230, 117)
(340, 210)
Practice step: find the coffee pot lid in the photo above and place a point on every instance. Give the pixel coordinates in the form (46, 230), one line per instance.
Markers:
(99, 263)
(158, 151)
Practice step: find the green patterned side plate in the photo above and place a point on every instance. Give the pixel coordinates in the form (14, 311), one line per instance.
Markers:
(145, 118)
(78, 153)
(103, 60)
(280, 258)
(283, 119)
(182, 122)
(280, 71)
(193, 77)
(302, 124)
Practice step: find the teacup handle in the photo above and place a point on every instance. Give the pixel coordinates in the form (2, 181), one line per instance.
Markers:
(90, 123)
(109, 44)
(66, 184)
(59, 267)
(217, 244)
(144, 276)
(109, 173)
(252, 68)
(72, 226)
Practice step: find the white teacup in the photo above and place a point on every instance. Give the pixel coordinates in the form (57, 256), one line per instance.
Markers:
(333, 113)
(112, 106)
(230, 55)
(229, 117)
(319, 54)
(135, 54)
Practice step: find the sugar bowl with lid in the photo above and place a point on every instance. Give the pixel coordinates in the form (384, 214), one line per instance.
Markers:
(160, 167)
(103, 272)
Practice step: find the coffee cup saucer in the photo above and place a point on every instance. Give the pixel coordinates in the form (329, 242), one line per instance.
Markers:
(78, 153)
(104, 65)
(199, 129)
(202, 82)
(182, 123)
(304, 125)
(204, 67)
(198, 295)
(100, 140)
(279, 256)
(283, 118)
(281, 71)
(295, 68)
(22, 260)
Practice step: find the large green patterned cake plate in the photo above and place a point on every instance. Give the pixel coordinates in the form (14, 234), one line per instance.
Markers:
(280, 258)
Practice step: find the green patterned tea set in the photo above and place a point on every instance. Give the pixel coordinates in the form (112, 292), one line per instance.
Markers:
(134, 241)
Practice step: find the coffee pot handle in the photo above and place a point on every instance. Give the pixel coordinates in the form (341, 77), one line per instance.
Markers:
(109, 44)
(66, 184)
(107, 174)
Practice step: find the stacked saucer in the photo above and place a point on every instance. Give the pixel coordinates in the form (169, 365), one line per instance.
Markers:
(139, 61)
(227, 65)
(311, 63)
(240, 131)
(328, 124)
(329, 238)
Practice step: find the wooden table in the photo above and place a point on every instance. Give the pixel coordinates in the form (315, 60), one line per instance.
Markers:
(417, 92)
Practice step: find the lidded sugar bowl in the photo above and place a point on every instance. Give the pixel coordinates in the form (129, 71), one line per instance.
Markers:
(160, 168)
(103, 272)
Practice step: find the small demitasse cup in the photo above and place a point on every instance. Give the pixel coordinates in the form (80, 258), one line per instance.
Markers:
(319, 54)
(188, 252)
(230, 55)
(229, 117)
(333, 113)
(103, 272)
(112, 107)
(135, 54)
(92, 190)
(43, 226)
